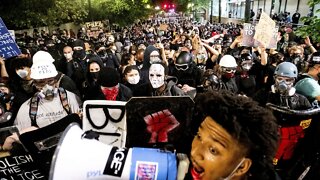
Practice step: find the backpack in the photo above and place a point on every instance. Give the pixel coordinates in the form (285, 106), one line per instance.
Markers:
(34, 103)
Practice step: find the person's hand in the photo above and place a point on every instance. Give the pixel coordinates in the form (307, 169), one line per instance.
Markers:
(279, 37)
(186, 88)
(238, 39)
(7, 145)
(183, 165)
(160, 46)
(307, 41)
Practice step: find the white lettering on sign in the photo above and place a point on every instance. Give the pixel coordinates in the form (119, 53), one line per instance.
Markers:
(13, 167)
(117, 160)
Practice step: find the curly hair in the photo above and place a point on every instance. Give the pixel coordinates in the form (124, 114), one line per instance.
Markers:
(253, 126)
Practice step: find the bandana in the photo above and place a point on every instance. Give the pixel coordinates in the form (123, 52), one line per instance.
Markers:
(110, 93)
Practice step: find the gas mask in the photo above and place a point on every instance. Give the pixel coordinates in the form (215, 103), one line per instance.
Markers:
(133, 79)
(296, 59)
(4, 114)
(22, 73)
(283, 85)
(48, 92)
(156, 75)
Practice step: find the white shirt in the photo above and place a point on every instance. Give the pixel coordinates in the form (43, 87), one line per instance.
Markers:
(49, 111)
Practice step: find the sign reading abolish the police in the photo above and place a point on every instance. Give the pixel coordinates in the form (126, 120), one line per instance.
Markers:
(20, 167)
(8, 46)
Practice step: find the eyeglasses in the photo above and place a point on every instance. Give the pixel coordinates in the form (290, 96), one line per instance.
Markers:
(182, 67)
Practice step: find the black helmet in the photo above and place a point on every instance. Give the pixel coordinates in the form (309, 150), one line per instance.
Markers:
(184, 58)
(246, 57)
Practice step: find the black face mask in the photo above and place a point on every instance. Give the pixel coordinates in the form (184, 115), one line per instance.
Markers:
(79, 54)
(94, 75)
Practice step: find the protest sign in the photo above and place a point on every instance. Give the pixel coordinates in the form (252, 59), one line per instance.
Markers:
(94, 28)
(12, 33)
(19, 167)
(249, 31)
(17, 163)
(273, 41)
(264, 29)
(8, 47)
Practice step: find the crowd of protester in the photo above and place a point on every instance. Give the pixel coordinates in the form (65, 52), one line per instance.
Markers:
(161, 58)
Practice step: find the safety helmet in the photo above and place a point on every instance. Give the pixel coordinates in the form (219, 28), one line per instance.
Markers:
(286, 69)
(184, 58)
(228, 61)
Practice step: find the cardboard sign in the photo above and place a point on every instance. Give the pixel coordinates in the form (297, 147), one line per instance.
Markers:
(157, 121)
(8, 47)
(94, 28)
(106, 118)
(249, 31)
(273, 41)
(264, 29)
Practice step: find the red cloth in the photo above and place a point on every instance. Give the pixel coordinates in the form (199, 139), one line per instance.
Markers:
(111, 93)
(289, 137)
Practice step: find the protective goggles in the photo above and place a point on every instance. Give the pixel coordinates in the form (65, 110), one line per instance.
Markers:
(182, 67)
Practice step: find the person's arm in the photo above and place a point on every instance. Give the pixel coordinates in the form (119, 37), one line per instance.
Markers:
(308, 44)
(236, 42)
(215, 53)
(162, 53)
(4, 72)
(263, 54)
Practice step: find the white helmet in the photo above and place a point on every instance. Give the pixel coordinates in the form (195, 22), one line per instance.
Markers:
(42, 57)
(228, 61)
(43, 66)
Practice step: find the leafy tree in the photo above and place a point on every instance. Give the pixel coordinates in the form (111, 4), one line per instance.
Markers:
(313, 28)
(122, 12)
(21, 14)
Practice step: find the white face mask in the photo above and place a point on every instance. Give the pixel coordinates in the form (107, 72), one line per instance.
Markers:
(68, 56)
(133, 79)
(22, 73)
(156, 75)
(154, 60)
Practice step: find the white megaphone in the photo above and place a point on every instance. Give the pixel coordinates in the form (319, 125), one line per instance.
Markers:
(80, 158)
